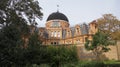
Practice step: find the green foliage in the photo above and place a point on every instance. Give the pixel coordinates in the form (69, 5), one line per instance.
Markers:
(35, 51)
(90, 64)
(19, 10)
(60, 55)
(94, 64)
(34, 41)
(15, 15)
(10, 42)
(13, 54)
(99, 44)
(111, 62)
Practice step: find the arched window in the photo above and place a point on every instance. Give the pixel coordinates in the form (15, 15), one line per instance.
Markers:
(55, 34)
(77, 30)
(58, 34)
(52, 43)
(52, 33)
(68, 33)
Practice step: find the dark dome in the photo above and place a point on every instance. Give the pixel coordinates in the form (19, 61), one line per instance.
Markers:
(57, 15)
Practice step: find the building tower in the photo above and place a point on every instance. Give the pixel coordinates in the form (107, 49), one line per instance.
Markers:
(56, 25)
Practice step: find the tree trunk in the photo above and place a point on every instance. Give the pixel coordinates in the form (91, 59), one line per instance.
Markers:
(97, 55)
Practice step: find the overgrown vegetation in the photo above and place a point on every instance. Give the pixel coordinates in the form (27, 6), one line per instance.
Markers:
(61, 55)
(99, 44)
(13, 54)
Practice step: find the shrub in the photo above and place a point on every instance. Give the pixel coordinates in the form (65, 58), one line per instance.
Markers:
(90, 64)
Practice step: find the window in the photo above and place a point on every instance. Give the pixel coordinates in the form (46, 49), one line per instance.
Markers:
(55, 34)
(78, 30)
(52, 34)
(78, 41)
(58, 33)
(55, 23)
(68, 34)
(86, 38)
(54, 43)
(51, 42)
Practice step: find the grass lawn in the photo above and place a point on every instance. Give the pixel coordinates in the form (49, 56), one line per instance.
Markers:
(110, 63)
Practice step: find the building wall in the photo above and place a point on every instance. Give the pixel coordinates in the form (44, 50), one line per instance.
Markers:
(77, 39)
(118, 49)
(65, 34)
(112, 54)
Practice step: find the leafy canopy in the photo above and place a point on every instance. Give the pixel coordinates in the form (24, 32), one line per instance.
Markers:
(15, 15)
(15, 11)
(99, 43)
(109, 24)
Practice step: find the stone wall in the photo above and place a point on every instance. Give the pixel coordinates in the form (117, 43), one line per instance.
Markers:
(118, 45)
(113, 54)
(83, 54)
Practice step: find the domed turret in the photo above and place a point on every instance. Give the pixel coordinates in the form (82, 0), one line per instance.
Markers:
(57, 16)
(57, 19)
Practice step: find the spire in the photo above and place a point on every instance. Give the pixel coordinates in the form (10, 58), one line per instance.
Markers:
(57, 8)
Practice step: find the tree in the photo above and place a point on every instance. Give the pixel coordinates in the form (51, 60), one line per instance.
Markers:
(34, 51)
(19, 13)
(15, 15)
(10, 41)
(111, 25)
(60, 55)
(15, 11)
(99, 44)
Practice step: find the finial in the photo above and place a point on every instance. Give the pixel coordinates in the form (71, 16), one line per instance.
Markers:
(57, 8)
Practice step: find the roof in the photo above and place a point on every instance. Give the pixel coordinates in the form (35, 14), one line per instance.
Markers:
(57, 16)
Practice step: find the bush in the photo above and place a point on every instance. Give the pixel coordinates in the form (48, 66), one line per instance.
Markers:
(112, 63)
(97, 64)
(60, 55)
(90, 64)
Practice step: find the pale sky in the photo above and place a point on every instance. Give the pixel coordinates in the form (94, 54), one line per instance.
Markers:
(79, 11)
